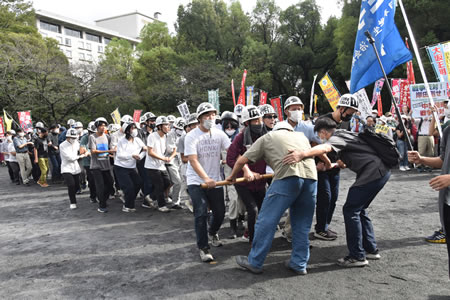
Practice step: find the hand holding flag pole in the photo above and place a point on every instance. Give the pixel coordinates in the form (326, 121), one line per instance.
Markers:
(397, 111)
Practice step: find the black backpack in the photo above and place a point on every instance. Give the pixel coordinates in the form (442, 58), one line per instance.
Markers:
(383, 145)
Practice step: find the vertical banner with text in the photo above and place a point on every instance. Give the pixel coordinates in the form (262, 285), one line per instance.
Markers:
(262, 98)
(137, 115)
(2, 128)
(241, 99)
(115, 116)
(330, 91)
(250, 95)
(377, 91)
(184, 110)
(276, 104)
(213, 98)
(25, 120)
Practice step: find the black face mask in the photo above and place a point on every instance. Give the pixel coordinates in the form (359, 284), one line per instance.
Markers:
(152, 126)
(347, 117)
(256, 129)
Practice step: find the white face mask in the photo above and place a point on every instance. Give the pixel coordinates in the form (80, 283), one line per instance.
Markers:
(230, 132)
(296, 115)
(134, 132)
(21, 134)
(70, 140)
(179, 132)
(10, 138)
(208, 124)
(56, 131)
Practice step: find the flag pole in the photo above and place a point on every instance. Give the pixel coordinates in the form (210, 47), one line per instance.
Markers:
(419, 61)
(312, 95)
(397, 111)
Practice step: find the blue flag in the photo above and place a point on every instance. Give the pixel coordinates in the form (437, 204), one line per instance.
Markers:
(377, 16)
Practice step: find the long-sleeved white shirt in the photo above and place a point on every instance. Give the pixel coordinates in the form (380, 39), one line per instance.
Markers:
(125, 151)
(69, 157)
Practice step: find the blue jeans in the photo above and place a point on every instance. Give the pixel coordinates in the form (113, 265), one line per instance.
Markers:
(358, 226)
(327, 195)
(299, 195)
(201, 200)
(403, 149)
(55, 159)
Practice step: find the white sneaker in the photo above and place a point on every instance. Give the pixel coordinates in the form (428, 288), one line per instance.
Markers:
(164, 209)
(407, 168)
(126, 209)
(215, 241)
(350, 262)
(189, 205)
(206, 256)
(73, 206)
(169, 200)
(402, 168)
(122, 199)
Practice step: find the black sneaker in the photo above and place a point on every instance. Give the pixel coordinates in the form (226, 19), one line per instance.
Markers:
(374, 255)
(205, 255)
(325, 235)
(350, 262)
(243, 262)
(215, 241)
(438, 237)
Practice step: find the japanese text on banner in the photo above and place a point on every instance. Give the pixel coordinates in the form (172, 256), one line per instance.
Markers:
(330, 91)
(420, 103)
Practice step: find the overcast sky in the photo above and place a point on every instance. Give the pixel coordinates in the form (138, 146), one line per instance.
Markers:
(91, 10)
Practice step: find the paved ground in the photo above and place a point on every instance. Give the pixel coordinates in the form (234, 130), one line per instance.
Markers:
(50, 252)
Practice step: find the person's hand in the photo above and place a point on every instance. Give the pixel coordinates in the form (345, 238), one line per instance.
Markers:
(231, 179)
(36, 161)
(210, 183)
(414, 157)
(30, 143)
(341, 164)
(293, 157)
(248, 175)
(321, 167)
(136, 157)
(257, 176)
(440, 182)
(111, 151)
(167, 159)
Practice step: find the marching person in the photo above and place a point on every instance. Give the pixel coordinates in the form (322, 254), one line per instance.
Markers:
(372, 175)
(128, 153)
(53, 153)
(70, 154)
(41, 155)
(21, 145)
(269, 116)
(203, 147)
(10, 157)
(149, 119)
(86, 161)
(99, 146)
(293, 186)
(173, 166)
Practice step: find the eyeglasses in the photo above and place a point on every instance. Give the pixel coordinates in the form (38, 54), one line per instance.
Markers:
(270, 117)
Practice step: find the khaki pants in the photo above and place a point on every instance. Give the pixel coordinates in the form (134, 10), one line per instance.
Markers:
(25, 166)
(236, 207)
(426, 145)
(43, 165)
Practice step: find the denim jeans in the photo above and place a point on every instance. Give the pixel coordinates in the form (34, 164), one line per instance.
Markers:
(201, 200)
(327, 195)
(403, 149)
(55, 159)
(129, 182)
(299, 195)
(358, 226)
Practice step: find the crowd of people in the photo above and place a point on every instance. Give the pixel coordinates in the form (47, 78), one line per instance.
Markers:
(163, 159)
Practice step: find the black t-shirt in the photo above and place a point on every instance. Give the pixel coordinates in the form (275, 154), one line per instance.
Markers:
(41, 146)
(331, 155)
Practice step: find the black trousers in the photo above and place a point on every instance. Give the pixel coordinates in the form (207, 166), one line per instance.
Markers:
(90, 178)
(160, 181)
(130, 183)
(103, 185)
(447, 232)
(253, 201)
(13, 170)
(73, 185)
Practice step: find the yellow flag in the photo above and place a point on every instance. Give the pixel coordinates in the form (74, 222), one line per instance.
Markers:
(115, 115)
(330, 91)
(8, 121)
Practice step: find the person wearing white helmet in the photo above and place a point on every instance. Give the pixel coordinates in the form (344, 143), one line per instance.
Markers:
(203, 147)
(238, 111)
(86, 161)
(251, 193)
(10, 157)
(293, 186)
(70, 169)
(174, 165)
(129, 151)
(269, 116)
(156, 160)
(293, 109)
(100, 148)
(70, 123)
(79, 128)
(41, 155)
(21, 144)
(172, 120)
(53, 153)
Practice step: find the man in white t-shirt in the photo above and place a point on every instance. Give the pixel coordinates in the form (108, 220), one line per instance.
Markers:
(156, 160)
(203, 146)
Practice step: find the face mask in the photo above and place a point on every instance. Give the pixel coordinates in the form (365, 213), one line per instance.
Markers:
(10, 138)
(152, 126)
(208, 124)
(70, 140)
(256, 129)
(346, 118)
(179, 132)
(56, 131)
(296, 115)
(230, 132)
(134, 133)
(21, 134)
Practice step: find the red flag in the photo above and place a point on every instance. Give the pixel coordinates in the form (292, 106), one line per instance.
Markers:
(137, 116)
(380, 106)
(262, 98)
(410, 69)
(25, 120)
(232, 92)
(241, 99)
(276, 103)
(2, 128)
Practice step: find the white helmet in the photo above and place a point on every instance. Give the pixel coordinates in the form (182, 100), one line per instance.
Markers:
(179, 123)
(148, 115)
(292, 100)
(171, 118)
(238, 110)
(283, 125)
(100, 120)
(161, 120)
(125, 126)
(78, 125)
(72, 133)
(126, 119)
(192, 119)
(70, 122)
(204, 108)
(114, 127)
(250, 112)
(11, 132)
(266, 109)
(348, 100)
(39, 125)
(91, 126)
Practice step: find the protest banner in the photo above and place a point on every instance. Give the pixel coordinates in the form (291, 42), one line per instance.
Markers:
(241, 99)
(381, 129)
(7, 121)
(249, 95)
(437, 58)
(262, 98)
(213, 98)
(377, 91)
(137, 116)
(115, 116)
(312, 95)
(276, 104)
(184, 110)
(364, 106)
(25, 121)
(315, 104)
(233, 93)
(2, 128)
(420, 103)
(330, 91)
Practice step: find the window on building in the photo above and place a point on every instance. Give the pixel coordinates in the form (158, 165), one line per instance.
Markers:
(89, 57)
(93, 37)
(59, 39)
(49, 26)
(100, 49)
(69, 53)
(68, 42)
(81, 45)
(88, 46)
(73, 32)
(82, 56)
(107, 40)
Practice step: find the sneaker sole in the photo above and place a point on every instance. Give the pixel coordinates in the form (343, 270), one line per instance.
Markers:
(318, 236)
(354, 265)
(436, 241)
